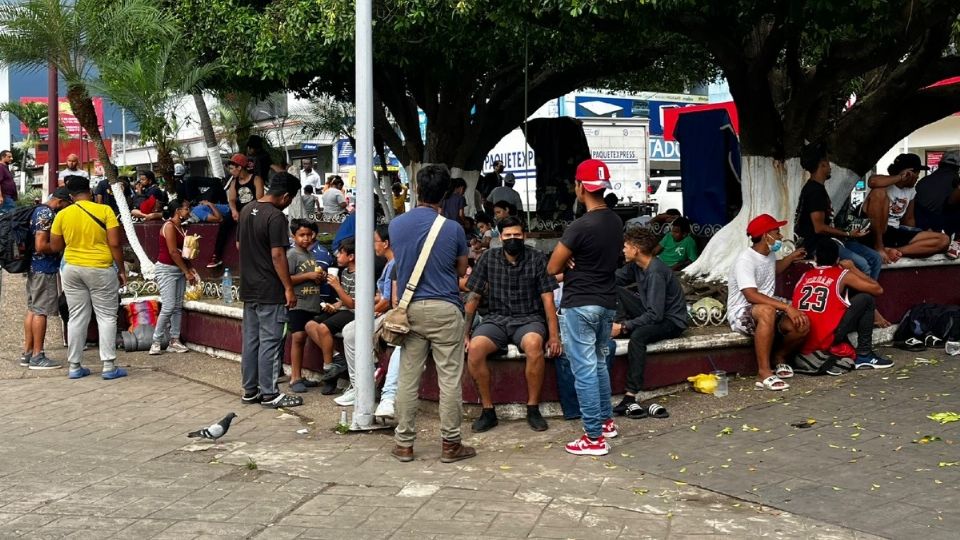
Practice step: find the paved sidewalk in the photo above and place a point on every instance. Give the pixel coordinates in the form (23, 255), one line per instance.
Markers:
(99, 459)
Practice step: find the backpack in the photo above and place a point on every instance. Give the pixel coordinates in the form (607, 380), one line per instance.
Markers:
(16, 240)
(942, 321)
(815, 363)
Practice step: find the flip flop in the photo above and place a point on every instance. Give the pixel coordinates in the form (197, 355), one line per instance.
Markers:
(772, 383)
(658, 411)
(783, 371)
(635, 411)
(911, 344)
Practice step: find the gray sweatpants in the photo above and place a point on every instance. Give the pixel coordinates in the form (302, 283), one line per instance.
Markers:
(173, 285)
(262, 340)
(91, 290)
(349, 334)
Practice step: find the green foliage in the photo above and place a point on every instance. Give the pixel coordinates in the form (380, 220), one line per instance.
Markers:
(32, 115)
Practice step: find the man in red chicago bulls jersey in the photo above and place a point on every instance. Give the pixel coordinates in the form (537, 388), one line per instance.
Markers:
(838, 299)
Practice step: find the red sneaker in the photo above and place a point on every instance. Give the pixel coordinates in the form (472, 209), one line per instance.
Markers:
(585, 446)
(843, 350)
(214, 262)
(610, 429)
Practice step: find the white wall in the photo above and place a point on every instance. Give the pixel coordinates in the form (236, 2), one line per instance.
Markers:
(941, 135)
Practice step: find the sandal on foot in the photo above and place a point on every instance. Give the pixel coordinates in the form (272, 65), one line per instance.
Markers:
(658, 411)
(250, 399)
(772, 383)
(635, 411)
(281, 401)
(301, 386)
(115, 374)
(783, 371)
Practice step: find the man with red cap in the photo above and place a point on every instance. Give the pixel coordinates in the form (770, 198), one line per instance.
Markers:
(752, 308)
(587, 256)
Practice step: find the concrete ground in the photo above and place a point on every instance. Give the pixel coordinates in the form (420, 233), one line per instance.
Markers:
(110, 458)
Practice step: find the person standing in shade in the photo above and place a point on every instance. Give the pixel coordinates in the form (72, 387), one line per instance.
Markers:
(89, 236)
(587, 257)
(173, 272)
(435, 316)
(308, 176)
(8, 187)
(506, 193)
(42, 287)
(266, 291)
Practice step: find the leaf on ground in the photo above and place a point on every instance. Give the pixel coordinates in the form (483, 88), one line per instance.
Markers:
(679, 483)
(835, 488)
(609, 465)
(944, 417)
(640, 491)
(683, 469)
(948, 463)
(926, 439)
(693, 428)
(673, 456)
(505, 467)
(725, 431)
(745, 427)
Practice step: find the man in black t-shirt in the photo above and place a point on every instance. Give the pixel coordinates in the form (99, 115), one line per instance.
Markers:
(814, 218)
(938, 197)
(266, 291)
(587, 256)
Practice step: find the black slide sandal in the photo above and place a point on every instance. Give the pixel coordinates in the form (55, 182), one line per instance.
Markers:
(635, 411)
(658, 411)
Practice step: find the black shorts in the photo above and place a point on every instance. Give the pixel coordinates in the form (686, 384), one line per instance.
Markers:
(896, 237)
(297, 319)
(335, 322)
(503, 335)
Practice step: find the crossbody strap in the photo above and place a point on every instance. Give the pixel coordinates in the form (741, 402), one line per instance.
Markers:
(421, 262)
(93, 217)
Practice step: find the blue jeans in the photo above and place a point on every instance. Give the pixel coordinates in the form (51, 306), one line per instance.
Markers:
(585, 332)
(8, 205)
(393, 375)
(866, 259)
(566, 386)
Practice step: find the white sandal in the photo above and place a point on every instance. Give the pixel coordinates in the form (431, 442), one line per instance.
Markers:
(772, 383)
(784, 371)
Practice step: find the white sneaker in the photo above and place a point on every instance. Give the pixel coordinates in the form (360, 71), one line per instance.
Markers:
(346, 399)
(385, 409)
(177, 347)
(155, 348)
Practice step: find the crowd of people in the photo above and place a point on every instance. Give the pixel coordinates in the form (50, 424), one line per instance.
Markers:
(471, 286)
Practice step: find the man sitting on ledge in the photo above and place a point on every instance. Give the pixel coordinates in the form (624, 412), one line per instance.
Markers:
(752, 308)
(890, 206)
(519, 290)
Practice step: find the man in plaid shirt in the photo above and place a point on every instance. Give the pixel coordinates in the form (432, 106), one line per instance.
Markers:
(519, 294)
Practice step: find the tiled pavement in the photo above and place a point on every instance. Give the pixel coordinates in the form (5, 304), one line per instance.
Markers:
(100, 459)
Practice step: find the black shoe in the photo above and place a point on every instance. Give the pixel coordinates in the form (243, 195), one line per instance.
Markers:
(250, 399)
(488, 420)
(535, 419)
(329, 387)
(621, 407)
(338, 367)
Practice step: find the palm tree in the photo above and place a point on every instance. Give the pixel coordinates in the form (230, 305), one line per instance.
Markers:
(33, 116)
(209, 136)
(70, 36)
(152, 85)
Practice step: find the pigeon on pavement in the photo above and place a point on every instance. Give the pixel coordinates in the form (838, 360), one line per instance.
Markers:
(215, 431)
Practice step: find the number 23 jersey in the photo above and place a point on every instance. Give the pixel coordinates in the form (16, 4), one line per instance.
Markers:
(819, 297)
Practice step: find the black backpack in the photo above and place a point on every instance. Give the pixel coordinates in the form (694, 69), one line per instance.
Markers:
(16, 240)
(942, 321)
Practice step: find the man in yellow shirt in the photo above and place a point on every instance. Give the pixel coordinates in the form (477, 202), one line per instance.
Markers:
(89, 236)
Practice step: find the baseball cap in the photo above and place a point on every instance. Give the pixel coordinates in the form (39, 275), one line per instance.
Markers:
(179, 169)
(908, 161)
(594, 175)
(951, 158)
(763, 224)
(62, 193)
(240, 160)
(509, 179)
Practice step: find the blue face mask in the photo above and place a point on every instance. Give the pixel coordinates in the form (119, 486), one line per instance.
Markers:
(775, 247)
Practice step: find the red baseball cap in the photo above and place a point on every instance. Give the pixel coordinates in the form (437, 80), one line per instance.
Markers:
(594, 175)
(763, 224)
(240, 160)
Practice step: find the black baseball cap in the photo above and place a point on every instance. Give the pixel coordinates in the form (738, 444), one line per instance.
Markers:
(907, 161)
(62, 193)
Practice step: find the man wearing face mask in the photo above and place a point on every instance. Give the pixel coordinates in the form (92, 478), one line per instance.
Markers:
(753, 310)
(519, 290)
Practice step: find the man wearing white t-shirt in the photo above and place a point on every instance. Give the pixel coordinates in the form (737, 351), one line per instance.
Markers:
(308, 176)
(890, 208)
(73, 169)
(752, 308)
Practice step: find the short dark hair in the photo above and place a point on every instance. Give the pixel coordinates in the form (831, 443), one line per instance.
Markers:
(348, 245)
(482, 217)
(308, 189)
(397, 188)
(150, 176)
(298, 224)
(611, 200)
(642, 238)
(673, 212)
(509, 221)
(456, 183)
(255, 142)
(683, 224)
(433, 183)
(4, 153)
(284, 183)
(827, 252)
(77, 184)
(337, 181)
(511, 209)
(383, 231)
(171, 207)
(811, 155)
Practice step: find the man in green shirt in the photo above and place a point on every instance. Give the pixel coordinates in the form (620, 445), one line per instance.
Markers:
(678, 249)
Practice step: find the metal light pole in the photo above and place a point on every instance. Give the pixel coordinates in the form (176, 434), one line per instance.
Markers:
(363, 404)
(53, 128)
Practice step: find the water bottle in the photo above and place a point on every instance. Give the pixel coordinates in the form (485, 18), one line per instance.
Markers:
(952, 348)
(722, 388)
(227, 285)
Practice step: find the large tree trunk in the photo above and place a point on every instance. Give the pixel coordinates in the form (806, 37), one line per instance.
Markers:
(412, 169)
(209, 136)
(83, 109)
(769, 187)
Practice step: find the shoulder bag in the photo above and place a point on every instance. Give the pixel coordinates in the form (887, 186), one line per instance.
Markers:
(395, 325)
